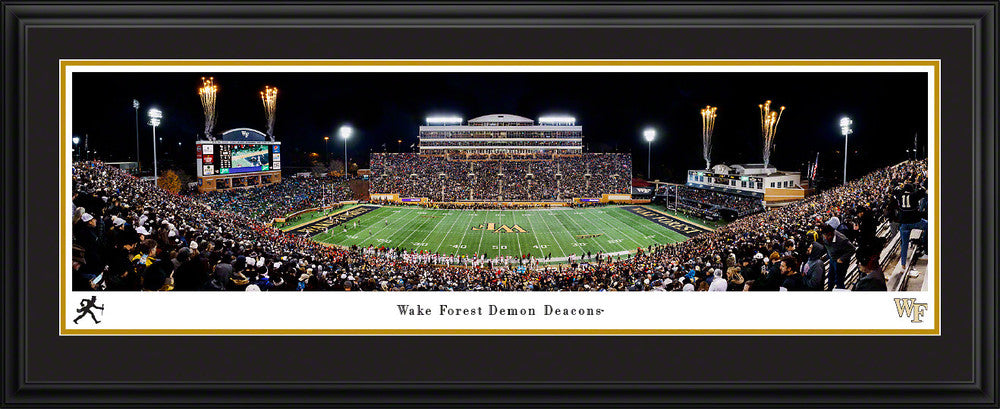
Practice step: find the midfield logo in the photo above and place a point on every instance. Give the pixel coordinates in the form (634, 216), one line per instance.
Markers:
(503, 228)
(910, 308)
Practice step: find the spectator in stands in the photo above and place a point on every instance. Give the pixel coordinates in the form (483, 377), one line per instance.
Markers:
(793, 280)
(872, 278)
(155, 222)
(718, 282)
(840, 251)
(812, 269)
(908, 200)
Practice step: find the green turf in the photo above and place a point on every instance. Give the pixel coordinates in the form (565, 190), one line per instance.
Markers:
(714, 224)
(547, 231)
(308, 217)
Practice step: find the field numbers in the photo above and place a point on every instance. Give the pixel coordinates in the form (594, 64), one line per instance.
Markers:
(383, 240)
(543, 246)
(416, 244)
(352, 236)
(459, 246)
(499, 247)
(579, 244)
(614, 241)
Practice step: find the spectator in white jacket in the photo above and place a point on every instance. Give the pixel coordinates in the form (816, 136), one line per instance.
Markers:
(718, 282)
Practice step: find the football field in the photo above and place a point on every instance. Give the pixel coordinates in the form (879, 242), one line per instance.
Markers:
(539, 232)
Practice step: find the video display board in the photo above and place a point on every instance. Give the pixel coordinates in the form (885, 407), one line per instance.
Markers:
(220, 158)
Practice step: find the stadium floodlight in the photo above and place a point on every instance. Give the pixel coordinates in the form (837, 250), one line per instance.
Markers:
(649, 134)
(135, 106)
(444, 120)
(76, 141)
(155, 116)
(557, 120)
(345, 134)
(845, 129)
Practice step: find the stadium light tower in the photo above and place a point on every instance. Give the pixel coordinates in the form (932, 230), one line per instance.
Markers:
(135, 106)
(326, 143)
(845, 129)
(649, 134)
(345, 134)
(155, 115)
(76, 142)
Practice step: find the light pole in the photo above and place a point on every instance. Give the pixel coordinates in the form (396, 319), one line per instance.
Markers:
(345, 134)
(135, 105)
(76, 143)
(155, 115)
(326, 144)
(649, 134)
(845, 129)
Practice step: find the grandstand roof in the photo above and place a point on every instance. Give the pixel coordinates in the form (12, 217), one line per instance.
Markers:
(501, 118)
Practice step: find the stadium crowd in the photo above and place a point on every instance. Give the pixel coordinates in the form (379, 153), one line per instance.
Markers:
(130, 235)
(500, 177)
(710, 201)
(264, 203)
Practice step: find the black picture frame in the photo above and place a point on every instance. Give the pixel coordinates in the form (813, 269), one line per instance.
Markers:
(958, 368)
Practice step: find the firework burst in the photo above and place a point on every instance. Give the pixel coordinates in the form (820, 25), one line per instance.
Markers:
(208, 93)
(269, 96)
(768, 127)
(707, 127)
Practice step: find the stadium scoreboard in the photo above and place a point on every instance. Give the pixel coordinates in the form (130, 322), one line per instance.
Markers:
(219, 158)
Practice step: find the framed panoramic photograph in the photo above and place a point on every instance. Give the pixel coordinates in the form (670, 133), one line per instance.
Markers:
(474, 204)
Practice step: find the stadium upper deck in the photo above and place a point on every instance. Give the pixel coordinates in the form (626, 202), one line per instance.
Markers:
(501, 133)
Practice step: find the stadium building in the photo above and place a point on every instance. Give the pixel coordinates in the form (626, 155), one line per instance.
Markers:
(501, 158)
(504, 133)
(754, 180)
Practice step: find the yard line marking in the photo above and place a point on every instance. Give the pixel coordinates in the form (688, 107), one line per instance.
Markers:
(582, 230)
(481, 234)
(422, 224)
(344, 237)
(472, 215)
(518, 236)
(538, 244)
(554, 235)
(623, 233)
(377, 235)
(625, 215)
(450, 228)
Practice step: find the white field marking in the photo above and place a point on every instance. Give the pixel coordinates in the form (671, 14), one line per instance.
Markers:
(538, 244)
(464, 232)
(428, 232)
(358, 233)
(553, 234)
(517, 235)
(378, 234)
(450, 228)
(603, 250)
(481, 234)
(499, 236)
(623, 233)
(667, 233)
(627, 223)
(342, 238)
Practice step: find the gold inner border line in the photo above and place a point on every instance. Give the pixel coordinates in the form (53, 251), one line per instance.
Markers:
(65, 64)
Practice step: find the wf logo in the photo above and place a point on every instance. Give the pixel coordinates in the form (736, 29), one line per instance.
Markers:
(500, 229)
(910, 308)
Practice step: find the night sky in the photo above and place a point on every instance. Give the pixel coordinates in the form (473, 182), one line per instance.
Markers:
(613, 108)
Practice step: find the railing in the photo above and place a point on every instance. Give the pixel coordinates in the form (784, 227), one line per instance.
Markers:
(853, 272)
